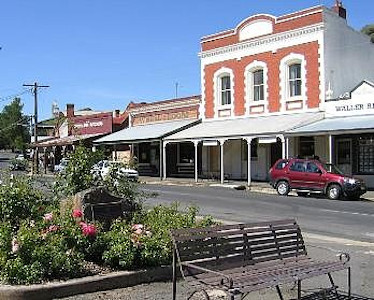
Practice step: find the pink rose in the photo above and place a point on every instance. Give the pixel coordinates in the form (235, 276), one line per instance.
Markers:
(52, 228)
(88, 229)
(48, 217)
(77, 213)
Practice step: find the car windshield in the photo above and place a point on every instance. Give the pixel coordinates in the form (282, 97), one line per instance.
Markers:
(330, 168)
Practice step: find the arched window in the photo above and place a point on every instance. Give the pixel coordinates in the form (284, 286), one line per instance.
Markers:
(224, 92)
(255, 81)
(258, 85)
(294, 79)
(225, 89)
(293, 82)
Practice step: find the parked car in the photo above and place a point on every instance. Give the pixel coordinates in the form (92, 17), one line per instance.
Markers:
(61, 167)
(313, 176)
(102, 169)
(19, 163)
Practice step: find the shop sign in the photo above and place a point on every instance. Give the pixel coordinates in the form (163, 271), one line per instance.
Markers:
(164, 116)
(93, 124)
(350, 107)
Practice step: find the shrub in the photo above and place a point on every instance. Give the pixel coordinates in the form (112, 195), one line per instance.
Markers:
(121, 251)
(147, 242)
(77, 176)
(19, 200)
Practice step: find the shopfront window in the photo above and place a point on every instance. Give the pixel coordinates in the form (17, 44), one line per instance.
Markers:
(306, 148)
(366, 155)
(343, 152)
(186, 153)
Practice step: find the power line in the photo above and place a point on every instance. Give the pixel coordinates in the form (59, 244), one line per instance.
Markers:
(16, 123)
(11, 97)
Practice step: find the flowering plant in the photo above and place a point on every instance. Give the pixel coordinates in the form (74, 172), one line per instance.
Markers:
(48, 217)
(88, 229)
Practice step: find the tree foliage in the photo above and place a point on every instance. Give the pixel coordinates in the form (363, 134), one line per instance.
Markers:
(14, 132)
(369, 30)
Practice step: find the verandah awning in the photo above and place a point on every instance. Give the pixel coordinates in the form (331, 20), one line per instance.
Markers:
(264, 126)
(145, 133)
(337, 125)
(68, 140)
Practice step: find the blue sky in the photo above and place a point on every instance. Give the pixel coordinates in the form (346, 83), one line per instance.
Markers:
(103, 54)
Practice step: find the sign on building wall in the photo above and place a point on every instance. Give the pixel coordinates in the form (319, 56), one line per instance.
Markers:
(361, 102)
(92, 124)
(141, 119)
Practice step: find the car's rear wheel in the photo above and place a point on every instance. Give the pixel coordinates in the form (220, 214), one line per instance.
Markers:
(283, 188)
(334, 192)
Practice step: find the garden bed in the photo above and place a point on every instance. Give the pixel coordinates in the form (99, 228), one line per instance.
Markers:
(88, 284)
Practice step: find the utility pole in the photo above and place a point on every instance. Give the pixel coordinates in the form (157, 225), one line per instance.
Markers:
(35, 92)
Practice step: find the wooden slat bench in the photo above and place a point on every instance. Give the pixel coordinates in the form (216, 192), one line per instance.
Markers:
(243, 258)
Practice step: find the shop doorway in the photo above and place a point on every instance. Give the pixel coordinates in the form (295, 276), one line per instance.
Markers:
(343, 157)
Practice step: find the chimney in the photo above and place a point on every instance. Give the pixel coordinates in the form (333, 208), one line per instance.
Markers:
(339, 9)
(70, 110)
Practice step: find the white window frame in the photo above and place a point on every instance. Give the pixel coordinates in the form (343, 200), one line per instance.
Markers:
(285, 63)
(249, 85)
(217, 91)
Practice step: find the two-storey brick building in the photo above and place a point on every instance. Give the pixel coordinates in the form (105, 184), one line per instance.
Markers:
(266, 77)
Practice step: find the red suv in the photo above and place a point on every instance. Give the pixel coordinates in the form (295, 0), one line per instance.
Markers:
(313, 176)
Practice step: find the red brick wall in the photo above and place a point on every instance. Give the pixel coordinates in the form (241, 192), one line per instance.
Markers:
(309, 51)
(288, 23)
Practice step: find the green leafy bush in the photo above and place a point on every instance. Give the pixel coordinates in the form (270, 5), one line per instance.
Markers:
(147, 242)
(19, 200)
(121, 251)
(77, 176)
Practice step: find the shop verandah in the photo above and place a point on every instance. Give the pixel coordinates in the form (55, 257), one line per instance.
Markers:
(238, 149)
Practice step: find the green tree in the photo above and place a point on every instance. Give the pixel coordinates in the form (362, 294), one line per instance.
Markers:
(14, 132)
(369, 30)
(78, 176)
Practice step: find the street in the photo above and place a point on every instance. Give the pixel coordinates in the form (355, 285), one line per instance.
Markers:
(352, 220)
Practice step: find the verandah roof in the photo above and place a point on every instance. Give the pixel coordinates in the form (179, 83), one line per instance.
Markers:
(145, 133)
(263, 126)
(337, 125)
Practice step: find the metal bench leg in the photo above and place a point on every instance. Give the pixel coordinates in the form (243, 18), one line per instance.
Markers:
(279, 292)
(299, 289)
(174, 275)
(333, 285)
(349, 282)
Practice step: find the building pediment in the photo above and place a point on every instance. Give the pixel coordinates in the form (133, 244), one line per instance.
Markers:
(255, 26)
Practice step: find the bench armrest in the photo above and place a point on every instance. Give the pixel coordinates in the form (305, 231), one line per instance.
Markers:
(344, 257)
(224, 276)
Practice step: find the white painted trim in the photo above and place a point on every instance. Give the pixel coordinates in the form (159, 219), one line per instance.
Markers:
(283, 80)
(248, 86)
(216, 92)
(266, 43)
(263, 115)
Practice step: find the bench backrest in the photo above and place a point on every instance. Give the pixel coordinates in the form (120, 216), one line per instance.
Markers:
(240, 244)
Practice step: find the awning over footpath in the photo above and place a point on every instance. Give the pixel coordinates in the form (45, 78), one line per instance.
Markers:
(145, 133)
(338, 125)
(68, 140)
(264, 126)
